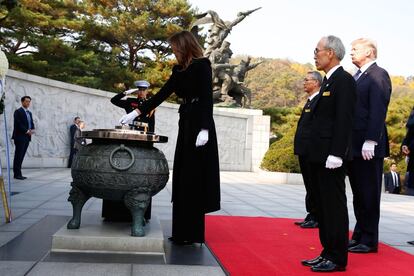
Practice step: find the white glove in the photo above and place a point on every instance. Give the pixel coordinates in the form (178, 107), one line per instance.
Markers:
(368, 149)
(202, 138)
(130, 91)
(333, 162)
(128, 118)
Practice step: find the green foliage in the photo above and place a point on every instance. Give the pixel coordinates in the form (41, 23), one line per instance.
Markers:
(398, 112)
(280, 157)
(282, 119)
(104, 44)
(277, 82)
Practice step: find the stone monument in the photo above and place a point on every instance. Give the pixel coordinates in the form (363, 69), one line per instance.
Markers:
(228, 79)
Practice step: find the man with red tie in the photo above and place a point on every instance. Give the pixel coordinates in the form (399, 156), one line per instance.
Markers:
(369, 144)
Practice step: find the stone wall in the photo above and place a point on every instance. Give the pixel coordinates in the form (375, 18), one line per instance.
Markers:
(243, 135)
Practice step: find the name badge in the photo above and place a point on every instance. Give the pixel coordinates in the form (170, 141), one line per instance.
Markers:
(326, 93)
(307, 110)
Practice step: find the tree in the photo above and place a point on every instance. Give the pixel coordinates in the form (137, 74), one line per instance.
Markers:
(105, 44)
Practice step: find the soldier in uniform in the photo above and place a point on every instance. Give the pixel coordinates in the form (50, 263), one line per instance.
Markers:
(312, 84)
(130, 103)
(116, 210)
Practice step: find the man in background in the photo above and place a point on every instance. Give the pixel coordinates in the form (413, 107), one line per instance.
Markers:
(72, 131)
(311, 85)
(392, 180)
(407, 148)
(79, 141)
(22, 135)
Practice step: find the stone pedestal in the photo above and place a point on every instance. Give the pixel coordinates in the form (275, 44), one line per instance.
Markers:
(96, 236)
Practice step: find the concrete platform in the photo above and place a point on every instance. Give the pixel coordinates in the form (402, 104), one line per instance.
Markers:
(98, 236)
(40, 208)
(70, 269)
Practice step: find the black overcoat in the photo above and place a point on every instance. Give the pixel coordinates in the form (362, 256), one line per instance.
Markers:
(196, 176)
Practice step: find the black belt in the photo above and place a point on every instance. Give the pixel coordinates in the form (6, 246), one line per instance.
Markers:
(190, 101)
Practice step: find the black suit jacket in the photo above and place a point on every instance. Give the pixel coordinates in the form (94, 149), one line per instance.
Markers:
(302, 136)
(389, 183)
(332, 118)
(72, 131)
(409, 141)
(21, 125)
(373, 97)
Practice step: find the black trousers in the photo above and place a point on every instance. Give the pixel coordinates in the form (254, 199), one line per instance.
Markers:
(19, 153)
(365, 177)
(188, 224)
(71, 154)
(332, 212)
(309, 186)
(396, 190)
(115, 210)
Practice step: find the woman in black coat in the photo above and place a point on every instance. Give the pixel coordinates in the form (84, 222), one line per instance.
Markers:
(196, 178)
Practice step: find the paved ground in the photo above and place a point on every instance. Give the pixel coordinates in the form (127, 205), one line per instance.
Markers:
(45, 192)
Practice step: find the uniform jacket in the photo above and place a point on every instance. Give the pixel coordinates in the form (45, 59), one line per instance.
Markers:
(331, 130)
(129, 104)
(373, 97)
(302, 135)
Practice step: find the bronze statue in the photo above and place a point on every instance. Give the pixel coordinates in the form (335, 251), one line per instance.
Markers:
(228, 79)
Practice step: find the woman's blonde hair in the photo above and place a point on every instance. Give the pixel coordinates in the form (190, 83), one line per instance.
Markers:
(186, 47)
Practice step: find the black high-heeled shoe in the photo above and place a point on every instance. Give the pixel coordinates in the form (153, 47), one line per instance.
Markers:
(180, 242)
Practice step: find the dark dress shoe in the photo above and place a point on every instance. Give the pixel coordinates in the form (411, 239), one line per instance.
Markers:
(179, 241)
(20, 177)
(362, 248)
(309, 224)
(352, 243)
(327, 266)
(307, 218)
(313, 262)
(411, 242)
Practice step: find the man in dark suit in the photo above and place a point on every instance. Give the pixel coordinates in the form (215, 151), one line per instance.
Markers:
(392, 180)
(330, 147)
(311, 85)
(407, 148)
(369, 144)
(22, 135)
(72, 131)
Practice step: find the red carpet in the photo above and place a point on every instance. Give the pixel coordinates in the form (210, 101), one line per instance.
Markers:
(275, 246)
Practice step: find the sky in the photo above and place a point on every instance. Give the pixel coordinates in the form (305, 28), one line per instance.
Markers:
(291, 28)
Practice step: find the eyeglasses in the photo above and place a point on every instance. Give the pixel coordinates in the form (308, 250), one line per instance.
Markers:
(142, 88)
(316, 51)
(306, 79)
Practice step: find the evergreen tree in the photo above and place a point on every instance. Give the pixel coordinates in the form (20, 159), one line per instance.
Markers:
(104, 44)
